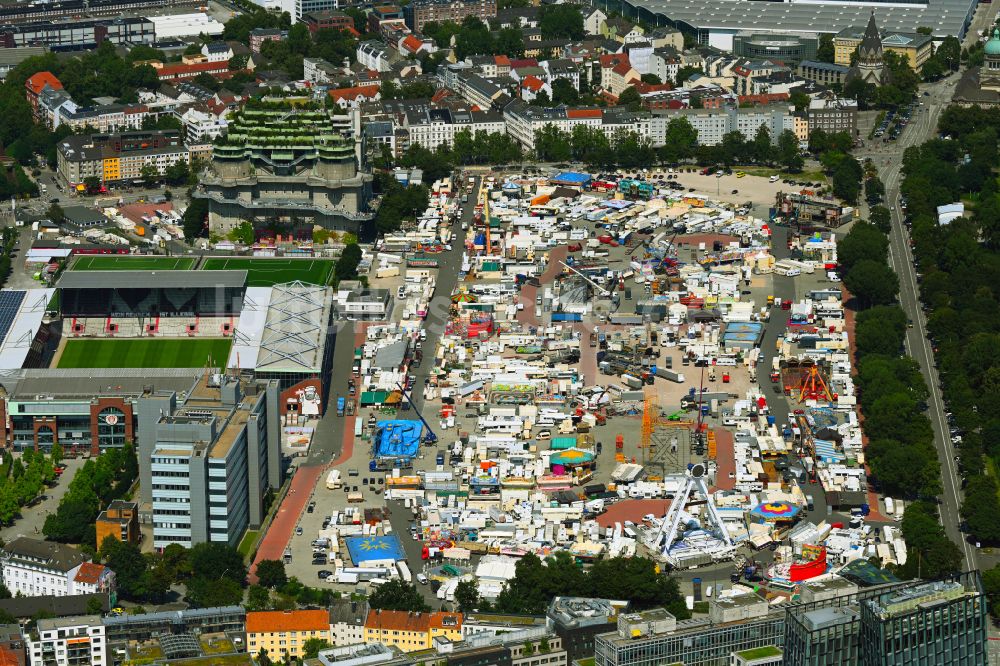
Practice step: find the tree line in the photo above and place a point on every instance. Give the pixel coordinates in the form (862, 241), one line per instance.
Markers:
(960, 267)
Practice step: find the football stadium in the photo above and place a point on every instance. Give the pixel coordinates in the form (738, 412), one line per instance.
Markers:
(263, 272)
(167, 315)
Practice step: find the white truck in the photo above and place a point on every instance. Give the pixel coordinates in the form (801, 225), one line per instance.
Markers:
(404, 572)
(890, 508)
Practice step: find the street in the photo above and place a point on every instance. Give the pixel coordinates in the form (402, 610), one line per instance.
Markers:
(888, 160)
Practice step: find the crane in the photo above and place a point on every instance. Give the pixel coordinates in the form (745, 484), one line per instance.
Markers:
(601, 290)
(430, 437)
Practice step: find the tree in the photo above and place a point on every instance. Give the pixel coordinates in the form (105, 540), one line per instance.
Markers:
(981, 507)
(880, 218)
(55, 213)
(552, 144)
(556, 21)
(467, 595)
(800, 101)
(681, 140)
(263, 659)
(398, 595)
(243, 233)
(56, 453)
(194, 218)
(826, 51)
(271, 573)
(215, 560)
(651, 79)
(346, 267)
(630, 99)
(258, 598)
(129, 565)
(949, 52)
(872, 283)
(204, 592)
(685, 73)
(563, 92)
(149, 172)
(788, 154)
(94, 606)
(312, 647)
(847, 179)
(991, 588)
(762, 149)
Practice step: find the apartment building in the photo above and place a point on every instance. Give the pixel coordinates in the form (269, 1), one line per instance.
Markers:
(328, 20)
(35, 85)
(523, 121)
(34, 568)
(209, 460)
(376, 56)
(409, 631)
(120, 521)
(121, 157)
(319, 71)
(421, 12)
(833, 114)
(69, 641)
(260, 35)
(433, 127)
(283, 634)
(713, 124)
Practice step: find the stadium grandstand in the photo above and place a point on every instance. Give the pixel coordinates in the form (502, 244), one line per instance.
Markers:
(172, 303)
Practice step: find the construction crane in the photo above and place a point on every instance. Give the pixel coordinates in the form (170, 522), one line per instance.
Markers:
(430, 437)
(601, 290)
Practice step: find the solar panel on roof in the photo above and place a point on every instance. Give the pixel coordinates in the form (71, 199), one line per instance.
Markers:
(10, 303)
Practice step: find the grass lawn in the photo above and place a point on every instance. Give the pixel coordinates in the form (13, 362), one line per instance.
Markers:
(216, 644)
(131, 263)
(216, 660)
(247, 542)
(802, 176)
(145, 353)
(760, 653)
(264, 272)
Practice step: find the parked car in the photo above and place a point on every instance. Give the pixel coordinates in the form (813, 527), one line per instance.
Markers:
(298, 531)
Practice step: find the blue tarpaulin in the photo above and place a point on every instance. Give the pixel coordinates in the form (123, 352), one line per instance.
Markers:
(398, 438)
(571, 178)
(367, 549)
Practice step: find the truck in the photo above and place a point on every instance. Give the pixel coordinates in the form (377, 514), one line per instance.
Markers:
(890, 508)
(333, 480)
(669, 375)
(404, 572)
(341, 404)
(355, 498)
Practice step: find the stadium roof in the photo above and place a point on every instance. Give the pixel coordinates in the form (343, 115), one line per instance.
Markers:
(151, 279)
(943, 17)
(21, 314)
(282, 328)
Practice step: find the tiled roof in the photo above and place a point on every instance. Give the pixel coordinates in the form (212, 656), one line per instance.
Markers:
(583, 113)
(355, 92)
(89, 573)
(259, 622)
(408, 621)
(37, 82)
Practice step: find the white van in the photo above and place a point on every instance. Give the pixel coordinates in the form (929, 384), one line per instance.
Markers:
(773, 179)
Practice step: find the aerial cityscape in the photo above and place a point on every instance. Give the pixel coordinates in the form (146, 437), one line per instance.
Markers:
(499, 333)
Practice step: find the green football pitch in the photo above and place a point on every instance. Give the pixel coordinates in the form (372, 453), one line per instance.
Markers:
(132, 263)
(145, 353)
(264, 272)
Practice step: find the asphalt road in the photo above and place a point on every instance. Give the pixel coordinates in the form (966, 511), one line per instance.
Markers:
(888, 159)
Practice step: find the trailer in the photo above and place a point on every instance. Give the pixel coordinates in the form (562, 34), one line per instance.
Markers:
(669, 375)
(404, 572)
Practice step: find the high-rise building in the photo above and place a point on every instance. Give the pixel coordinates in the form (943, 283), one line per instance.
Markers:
(822, 637)
(943, 622)
(206, 463)
(289, 161)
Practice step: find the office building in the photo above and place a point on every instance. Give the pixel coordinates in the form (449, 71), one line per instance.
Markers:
(206, 462)
(943, 622)
(762, 656)
(328, 19)
(411, 632)
(69, 641)
(35, 568)
(289, 162)
(833, 114)
(78, 34)
(822, 637)
(577, 620)
(119, 521)
(421, 12)
(788, 49)
(283, 634)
